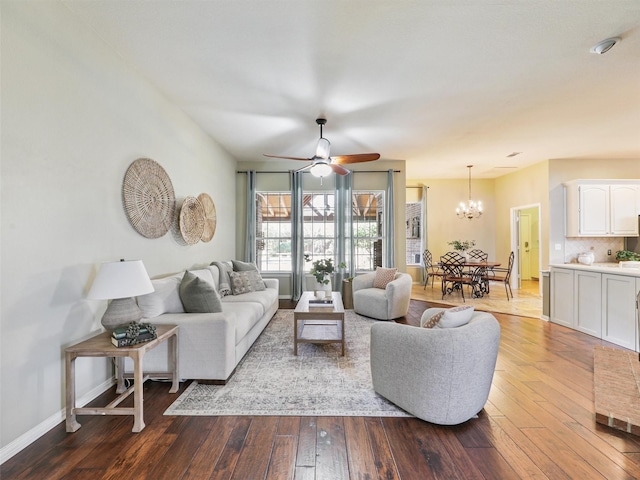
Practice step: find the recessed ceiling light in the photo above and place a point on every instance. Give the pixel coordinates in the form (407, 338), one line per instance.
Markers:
(605, 45)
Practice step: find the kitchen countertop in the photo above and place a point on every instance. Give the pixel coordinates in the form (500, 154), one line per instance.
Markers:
(610, 267)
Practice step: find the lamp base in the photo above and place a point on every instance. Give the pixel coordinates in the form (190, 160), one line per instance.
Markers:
(121, 312)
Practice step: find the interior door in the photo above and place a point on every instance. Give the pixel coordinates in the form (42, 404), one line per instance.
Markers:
(524, 237)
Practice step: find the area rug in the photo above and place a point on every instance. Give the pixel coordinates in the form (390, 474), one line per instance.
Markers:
(271, 380)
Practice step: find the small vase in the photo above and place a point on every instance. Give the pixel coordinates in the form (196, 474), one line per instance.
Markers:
(325, 287)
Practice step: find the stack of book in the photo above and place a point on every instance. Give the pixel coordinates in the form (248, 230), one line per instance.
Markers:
(324, 302)
(122, 338)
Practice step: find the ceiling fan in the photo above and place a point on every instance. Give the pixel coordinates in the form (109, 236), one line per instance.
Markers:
(322, 164)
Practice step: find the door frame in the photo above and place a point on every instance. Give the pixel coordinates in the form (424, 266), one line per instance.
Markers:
(515, 242)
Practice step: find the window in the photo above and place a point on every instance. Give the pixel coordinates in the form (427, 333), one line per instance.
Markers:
(413, 213)
(273, 229)
(368, 209)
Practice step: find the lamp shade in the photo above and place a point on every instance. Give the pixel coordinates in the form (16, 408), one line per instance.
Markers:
(120, 280)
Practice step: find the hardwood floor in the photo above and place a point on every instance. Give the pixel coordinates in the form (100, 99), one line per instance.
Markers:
(538, 423)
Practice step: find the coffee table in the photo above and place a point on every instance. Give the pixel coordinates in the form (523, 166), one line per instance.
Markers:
(318, 324)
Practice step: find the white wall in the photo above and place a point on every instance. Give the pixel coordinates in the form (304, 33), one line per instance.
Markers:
(74, 116)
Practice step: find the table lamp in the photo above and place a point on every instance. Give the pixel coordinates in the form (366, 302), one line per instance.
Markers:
(120, 282)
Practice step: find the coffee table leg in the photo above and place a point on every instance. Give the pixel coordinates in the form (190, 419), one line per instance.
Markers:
(343, 339)
(295, 335)
(72, 424)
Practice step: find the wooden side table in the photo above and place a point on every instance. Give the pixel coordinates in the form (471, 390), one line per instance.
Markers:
(101, 346)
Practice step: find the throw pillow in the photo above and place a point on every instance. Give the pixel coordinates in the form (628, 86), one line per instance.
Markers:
(451, 318)
(384, 276)
(245, 282)
(239, 266)
(199, 296)
(224, 288)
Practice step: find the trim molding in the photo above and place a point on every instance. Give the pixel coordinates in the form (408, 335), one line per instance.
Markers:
(39, 430)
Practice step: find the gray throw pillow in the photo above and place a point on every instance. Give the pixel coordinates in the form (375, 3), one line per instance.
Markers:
(245, 282)
(239, 266)
(225, 269)
(198, 296)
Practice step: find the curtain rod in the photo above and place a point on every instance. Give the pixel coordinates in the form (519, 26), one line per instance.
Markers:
(352, 171)
(416, 186)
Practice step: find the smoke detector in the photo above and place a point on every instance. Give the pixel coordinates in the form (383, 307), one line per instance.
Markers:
(605, 45)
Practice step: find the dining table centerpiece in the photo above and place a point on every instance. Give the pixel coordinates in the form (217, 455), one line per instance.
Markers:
(462, 246)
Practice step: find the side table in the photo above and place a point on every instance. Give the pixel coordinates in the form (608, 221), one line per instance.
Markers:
(101, 346)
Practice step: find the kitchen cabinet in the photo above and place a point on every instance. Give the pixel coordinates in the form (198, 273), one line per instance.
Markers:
(599, 301)
(562, 305)
(619, 314)
(587, 309)
(598, 209)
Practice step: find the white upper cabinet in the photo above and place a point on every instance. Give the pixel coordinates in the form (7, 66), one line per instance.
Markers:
(601, 209)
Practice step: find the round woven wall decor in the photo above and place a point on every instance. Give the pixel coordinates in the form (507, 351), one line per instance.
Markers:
(209, 217)
(191, 220)
(148, 198)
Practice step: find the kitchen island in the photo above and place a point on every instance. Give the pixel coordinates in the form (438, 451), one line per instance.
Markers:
(599, 299)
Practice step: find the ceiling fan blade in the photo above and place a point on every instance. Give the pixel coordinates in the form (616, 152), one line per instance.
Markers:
(340, 170)
(289, 158)
(356, 158)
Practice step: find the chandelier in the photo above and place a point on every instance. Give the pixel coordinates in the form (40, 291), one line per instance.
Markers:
(472, 209)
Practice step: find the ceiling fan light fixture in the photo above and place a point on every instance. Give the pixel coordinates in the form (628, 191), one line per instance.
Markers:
(321, 169)
(605, 45)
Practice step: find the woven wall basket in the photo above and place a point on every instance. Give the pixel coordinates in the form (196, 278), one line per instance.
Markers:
(192, 220)
(148, 198)
(209, 217)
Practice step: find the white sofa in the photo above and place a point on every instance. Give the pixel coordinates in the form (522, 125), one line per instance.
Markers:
(210, 344)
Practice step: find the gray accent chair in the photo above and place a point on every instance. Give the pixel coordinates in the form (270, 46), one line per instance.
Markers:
(382, 304)
(441, 375)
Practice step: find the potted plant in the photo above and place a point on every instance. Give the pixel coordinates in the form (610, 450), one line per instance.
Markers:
(462, 246)
(627, 255)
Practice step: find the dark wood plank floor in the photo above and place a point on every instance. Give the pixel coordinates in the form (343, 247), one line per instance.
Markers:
(538, 423)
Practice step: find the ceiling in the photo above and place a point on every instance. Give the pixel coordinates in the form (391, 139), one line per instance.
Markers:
(440, 84)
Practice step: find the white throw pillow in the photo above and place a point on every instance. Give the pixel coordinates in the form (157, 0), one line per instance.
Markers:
(165, 298)
(451, 318)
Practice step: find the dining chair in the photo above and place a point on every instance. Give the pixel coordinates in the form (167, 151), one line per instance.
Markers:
(477, 255)
(506, 279)
(430, 270)
(453, 277)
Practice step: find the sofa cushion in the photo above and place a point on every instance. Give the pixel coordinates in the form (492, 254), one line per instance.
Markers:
(164, 299)
(247, 315)
(239, 266)
(245, 282)
(224, 286)
(451, 317)
(265, 298)
(384, 276)
(199, 295)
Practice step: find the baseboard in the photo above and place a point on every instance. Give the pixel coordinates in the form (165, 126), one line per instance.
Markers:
(39, 430)
(544, 317)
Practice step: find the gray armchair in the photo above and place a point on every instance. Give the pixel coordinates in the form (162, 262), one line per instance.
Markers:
(441, 375)
(383, 304)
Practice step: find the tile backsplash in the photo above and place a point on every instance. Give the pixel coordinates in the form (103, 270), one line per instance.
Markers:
(599, 245)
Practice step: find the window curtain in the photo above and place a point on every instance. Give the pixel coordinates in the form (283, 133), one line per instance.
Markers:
(388, 250)
(343, 221)
(423, 228)
(250, 246)
(297, 240)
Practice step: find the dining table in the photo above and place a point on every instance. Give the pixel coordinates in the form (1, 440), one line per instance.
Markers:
(481, 272)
